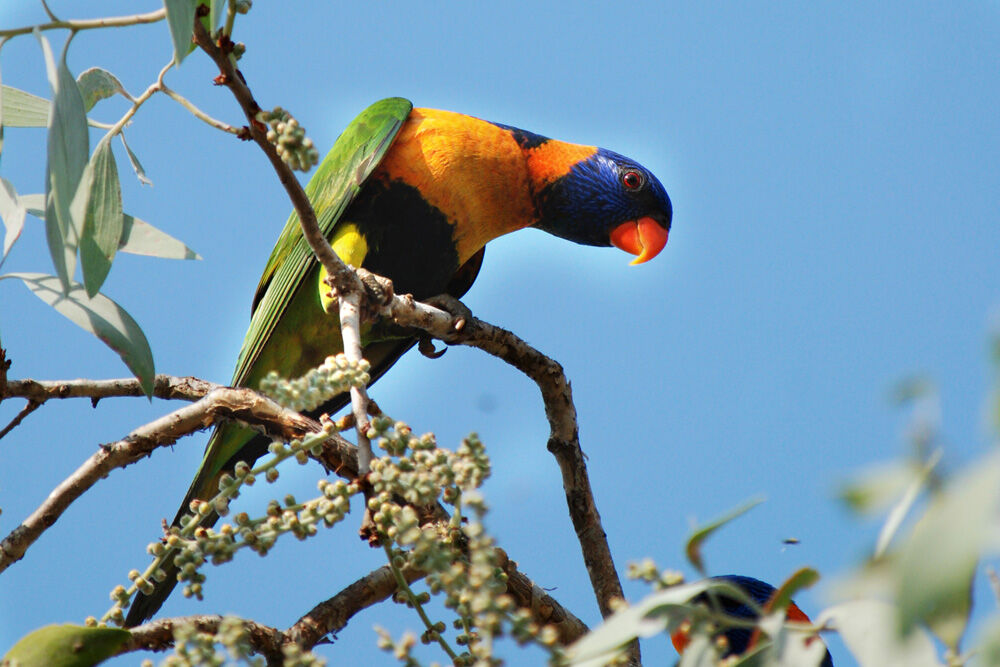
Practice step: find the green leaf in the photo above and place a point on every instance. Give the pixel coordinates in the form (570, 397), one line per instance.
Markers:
(141, 238)
(902, 508)
(22, 109)
(66, 646)
(12, 212)
(874, 489)
(136, 165)
(653, 614)
(215, 13)
(100, 316)
(988, 644)
(98, 84)
(180, 18)
(693, 547)
(801, 579)
(98, 203)
(784, 645)
(67, 156)
(938, 561)
(869, 628)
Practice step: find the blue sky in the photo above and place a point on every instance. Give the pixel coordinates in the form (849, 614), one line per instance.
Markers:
(834, 174)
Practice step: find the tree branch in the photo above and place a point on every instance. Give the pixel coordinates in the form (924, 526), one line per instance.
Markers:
(29, 407)
(159, 635)
(564, 441)
(89, 24)
(244, 405)
(164, 386)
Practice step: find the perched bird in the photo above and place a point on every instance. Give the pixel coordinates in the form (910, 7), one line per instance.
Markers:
(415, 195)
(739, 640)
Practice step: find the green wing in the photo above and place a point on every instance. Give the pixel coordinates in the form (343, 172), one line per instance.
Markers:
(355, 155)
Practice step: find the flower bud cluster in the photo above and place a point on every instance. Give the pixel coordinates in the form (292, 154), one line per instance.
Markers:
(294, 148)
(459, 556)
(197, 649)
(195, 545)
(337, 374)
(646, 570)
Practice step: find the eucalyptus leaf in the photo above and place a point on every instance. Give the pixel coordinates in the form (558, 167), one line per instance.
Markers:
(138, 236)
(141, 238)
(215, 13)
(66, 646)
(68, 150)
(653, 614)
(800, 580)
(22, 109)
(134, 161)
(98, 84)
(869, 628)
(693, 547)
(101, 213)
(180, 18)
(902, 508)
(100, 316)
(12, 212)
(938, 561)
(34, 204)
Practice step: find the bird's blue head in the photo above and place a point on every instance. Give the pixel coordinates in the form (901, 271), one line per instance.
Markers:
(606, 199)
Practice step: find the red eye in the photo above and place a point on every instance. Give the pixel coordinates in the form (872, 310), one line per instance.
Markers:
(632, 180)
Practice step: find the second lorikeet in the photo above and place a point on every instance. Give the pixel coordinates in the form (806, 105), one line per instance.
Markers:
(740, 640)
(415, 195)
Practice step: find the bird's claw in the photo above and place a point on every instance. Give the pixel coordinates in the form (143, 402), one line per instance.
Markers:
(426, 347)
(460, 313)
(378, 293)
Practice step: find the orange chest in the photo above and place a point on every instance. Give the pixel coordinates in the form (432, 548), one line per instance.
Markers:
(472, 171)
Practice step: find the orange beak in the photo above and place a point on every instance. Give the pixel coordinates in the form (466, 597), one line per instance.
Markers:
(644, 238)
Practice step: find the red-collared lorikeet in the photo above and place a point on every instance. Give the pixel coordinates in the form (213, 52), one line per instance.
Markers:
(415, 195)
(740, 640)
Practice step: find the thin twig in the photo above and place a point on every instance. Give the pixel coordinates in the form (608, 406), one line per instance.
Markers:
(244, 405)
(30, 407)
(89, 24)
(198, 113)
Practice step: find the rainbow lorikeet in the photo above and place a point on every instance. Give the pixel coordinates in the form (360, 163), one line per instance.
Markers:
(415, 195)
(740, 640)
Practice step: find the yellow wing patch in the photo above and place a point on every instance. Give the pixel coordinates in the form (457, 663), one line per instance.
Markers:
(352, 248)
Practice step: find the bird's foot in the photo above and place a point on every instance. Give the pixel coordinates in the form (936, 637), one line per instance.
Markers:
(460, 314)
(378, 293)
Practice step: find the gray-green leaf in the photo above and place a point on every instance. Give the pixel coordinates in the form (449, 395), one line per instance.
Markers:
(98, 204)
(136, 165)
(67, 156)
(12, 212)
(869, 628)
(141, 238)
(66, 646)
(22, 109)
(138, 236)
(180, 18)
(98, 84)
(939, 559)
(100, 316)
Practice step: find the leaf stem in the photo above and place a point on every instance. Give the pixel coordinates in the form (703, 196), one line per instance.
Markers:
(412, 597)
